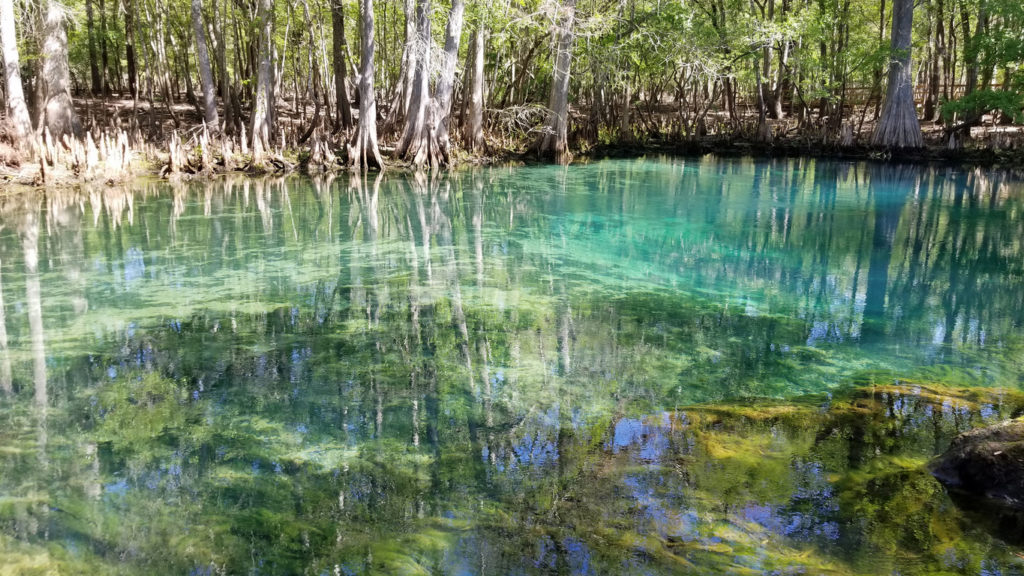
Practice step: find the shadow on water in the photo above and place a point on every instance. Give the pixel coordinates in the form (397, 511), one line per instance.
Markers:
(629, 367)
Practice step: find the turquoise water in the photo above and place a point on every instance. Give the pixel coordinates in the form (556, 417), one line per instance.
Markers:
(638, 367)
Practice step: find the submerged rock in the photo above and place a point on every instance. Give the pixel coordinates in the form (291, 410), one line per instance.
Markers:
(986, 462)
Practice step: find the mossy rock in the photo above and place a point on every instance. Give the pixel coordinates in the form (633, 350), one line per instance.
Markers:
(986, 462)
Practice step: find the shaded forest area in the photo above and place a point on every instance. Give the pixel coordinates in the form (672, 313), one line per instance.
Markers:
(97, 85)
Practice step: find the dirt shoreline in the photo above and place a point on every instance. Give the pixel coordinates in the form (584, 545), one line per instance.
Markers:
(28, 175)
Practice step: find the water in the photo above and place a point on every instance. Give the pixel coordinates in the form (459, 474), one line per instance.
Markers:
(637, 367)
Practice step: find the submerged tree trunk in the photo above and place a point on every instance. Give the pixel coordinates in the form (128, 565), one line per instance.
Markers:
(205, 72)
(6, 385)
(33, 299)
(17, 109)
(474, 126)
(898, 126)
(59, 108)
(343, 108)
(888, 208)
(554, 143)
(364, 150)
(264, 96)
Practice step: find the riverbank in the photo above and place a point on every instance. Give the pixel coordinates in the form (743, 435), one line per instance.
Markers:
(1010, 158)
(115, 160)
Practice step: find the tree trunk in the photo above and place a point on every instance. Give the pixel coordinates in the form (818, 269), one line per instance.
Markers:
(625, 121)
(554, 143)
(182, 56)
(264, 97)
(94, 68)
(129, 48)
(781, 81)
(898, 126)
(876, 85)
(764, 131)
(970, 49)
(985, 48)
(474, 127)
(160, 62)
(766, 91)
(937, 47)
(277, 62)
(104, 60)
(60, 110)
(407, 72)
(225, 78)
(364, 149)
(205, 72)
(344, 109)
(17, 109)
(949, 58)
(410, 142)
(426, 138)
(446, 83)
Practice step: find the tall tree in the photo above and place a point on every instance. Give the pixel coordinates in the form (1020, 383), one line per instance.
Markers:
(406, 72)
(364, 151)
(205, 71)
(411, 141)
(343, 108)
(263, 99)
(129, 47)
(898, 126)
(104, 59)
(554, 143)
(59, 108)
(222, 65)
(936, 50)
(474, 124)
(426, 139)
(17, 109)
(971, 45)
(94, 67)
(446, 82)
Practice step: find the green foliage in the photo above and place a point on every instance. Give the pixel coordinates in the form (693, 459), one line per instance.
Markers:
(1009, 103)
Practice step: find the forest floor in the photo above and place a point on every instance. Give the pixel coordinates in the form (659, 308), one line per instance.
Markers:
(149, 129)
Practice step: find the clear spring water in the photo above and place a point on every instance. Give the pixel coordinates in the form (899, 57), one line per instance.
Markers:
(531, 370)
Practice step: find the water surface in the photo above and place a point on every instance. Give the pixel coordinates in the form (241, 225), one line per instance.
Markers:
(637, 367)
